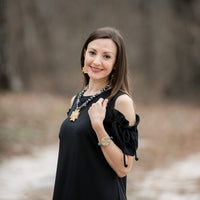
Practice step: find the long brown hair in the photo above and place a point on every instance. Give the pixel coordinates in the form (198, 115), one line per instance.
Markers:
(119, 74)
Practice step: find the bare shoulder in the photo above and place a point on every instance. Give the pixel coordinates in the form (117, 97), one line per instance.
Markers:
(125, 105)
(72, 100)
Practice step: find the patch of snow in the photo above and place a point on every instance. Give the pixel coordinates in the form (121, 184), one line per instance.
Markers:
(178, 182)
(30, 172)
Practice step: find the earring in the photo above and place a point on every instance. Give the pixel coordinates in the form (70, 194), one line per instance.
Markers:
(84, 70)
(112, 77)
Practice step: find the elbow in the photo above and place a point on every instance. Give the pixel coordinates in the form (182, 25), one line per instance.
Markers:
(123, 172)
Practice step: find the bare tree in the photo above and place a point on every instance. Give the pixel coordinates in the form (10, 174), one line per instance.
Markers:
(41, 41)
(9, 78)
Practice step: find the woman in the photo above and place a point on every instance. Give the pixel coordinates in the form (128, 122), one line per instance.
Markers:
(99, 137)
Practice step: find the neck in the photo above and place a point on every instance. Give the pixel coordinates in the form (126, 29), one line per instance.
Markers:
(95, 86)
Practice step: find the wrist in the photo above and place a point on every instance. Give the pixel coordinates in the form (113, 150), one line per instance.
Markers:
(100, 131)
(105, 141)
(98, 126)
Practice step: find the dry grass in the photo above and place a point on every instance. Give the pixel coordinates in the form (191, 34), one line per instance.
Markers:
(168, 132)
(28, 120)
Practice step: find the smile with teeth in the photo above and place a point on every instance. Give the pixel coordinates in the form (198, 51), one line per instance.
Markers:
(95, 69)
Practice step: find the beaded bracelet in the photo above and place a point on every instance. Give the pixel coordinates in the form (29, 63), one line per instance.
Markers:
(105, 141)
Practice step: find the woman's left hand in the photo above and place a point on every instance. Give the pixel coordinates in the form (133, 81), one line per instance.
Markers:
(97, 113)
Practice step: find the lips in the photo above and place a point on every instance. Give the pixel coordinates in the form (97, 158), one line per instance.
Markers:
(95, 69)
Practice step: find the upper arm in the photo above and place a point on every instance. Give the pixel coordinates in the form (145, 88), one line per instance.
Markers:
(125, 105)
(72, 100)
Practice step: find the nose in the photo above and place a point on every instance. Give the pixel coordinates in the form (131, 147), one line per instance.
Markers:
(97, 60)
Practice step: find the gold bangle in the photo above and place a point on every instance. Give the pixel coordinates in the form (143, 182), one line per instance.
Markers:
(105, 141)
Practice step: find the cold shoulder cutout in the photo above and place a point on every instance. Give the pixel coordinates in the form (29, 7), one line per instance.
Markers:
(125, 105)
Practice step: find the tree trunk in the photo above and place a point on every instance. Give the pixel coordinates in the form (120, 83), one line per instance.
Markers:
(9, 79)
(4, 80)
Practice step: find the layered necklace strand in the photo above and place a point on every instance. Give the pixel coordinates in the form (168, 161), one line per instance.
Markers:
(75, 114)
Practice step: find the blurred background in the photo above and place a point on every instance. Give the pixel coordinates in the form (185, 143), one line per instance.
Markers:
(40, 46)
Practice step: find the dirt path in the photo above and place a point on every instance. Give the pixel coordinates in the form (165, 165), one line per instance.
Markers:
(32, 177)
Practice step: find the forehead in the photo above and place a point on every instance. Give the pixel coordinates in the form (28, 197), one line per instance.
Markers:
(106, 45)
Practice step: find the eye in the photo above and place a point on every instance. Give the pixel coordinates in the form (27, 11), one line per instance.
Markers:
(107, 56)
(92, 53)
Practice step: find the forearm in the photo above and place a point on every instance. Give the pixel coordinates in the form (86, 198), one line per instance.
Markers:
(113, 154)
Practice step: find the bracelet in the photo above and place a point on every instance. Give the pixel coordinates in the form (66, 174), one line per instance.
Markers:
(105, 141)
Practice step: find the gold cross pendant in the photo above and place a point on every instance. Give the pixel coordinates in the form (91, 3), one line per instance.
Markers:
(75, 114)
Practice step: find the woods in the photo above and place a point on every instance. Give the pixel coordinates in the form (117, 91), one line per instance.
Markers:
(40, 47)
(41, 43)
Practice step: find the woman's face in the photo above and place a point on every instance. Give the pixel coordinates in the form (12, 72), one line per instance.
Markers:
(100, 57)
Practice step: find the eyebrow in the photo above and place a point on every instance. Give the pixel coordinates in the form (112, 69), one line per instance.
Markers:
(103, 52)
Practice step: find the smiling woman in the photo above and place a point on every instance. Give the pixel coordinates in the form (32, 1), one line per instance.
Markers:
(118, 77)
(99, 137)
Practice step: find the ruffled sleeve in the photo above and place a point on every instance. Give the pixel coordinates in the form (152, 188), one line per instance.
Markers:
(125, 136)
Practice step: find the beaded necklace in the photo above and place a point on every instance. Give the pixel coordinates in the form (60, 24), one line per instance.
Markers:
(75, 114)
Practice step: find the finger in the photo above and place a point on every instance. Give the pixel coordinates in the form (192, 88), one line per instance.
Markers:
(105, 102)
(100, 101)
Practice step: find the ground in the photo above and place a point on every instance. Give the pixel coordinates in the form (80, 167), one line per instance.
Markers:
(168, 136)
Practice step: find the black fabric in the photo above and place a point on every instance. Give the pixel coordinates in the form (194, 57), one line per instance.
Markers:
(82, 170)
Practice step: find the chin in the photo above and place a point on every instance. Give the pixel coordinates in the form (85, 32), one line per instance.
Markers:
(96, 78)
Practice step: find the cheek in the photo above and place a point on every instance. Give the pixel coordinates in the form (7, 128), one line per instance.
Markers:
(108, 68)
(87, 59)
(111, 65)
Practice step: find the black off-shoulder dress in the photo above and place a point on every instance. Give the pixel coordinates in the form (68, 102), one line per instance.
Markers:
(82, 170)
